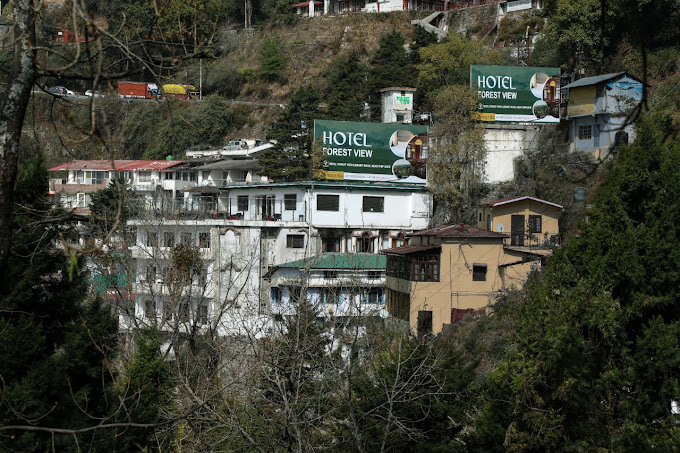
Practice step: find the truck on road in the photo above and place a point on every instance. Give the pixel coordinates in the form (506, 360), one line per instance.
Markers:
(138, 90)
(172, 90)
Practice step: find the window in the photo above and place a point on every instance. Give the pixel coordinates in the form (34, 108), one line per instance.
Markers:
(480, 216)
(183, 313)
(479, 272)
(242, 203)
(186, 238)
(202, 314)
(150, 309)
(98, 177)
(295, 293)
(365, 244)
(168, 239)
(225, 177)
(167, 175)
(374, 275)
(151, 274)
(167, 311)
(295, 241)
(372, 296)
(330, 274)
(144, 176)
(329, 295)
(535, 224)
(204, 240)
(151, 239)
(192, 176)
(328, 202)
(585, 132)
(374, 204)
(289, 201)
(330, 244)
(275, 294)
(426, 268)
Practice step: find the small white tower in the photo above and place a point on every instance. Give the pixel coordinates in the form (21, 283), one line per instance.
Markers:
(397, 104)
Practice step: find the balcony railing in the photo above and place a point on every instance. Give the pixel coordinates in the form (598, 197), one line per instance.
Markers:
(225, 208)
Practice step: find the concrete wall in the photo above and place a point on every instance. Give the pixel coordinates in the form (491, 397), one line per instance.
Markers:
(504, 144)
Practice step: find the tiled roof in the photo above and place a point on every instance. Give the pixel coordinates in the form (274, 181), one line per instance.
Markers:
(506, 200)
(359, 261)
(459, 230)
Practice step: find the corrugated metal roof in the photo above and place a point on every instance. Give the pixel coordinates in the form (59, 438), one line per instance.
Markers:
(506, 200)
(102, 164)
(336, 261)
(397, 89)
(593, 80)
(406, 249)
(118, 165)
(459, 230)
(245, 164)
(349, 184)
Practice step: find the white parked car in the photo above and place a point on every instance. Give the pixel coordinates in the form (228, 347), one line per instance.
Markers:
(93, 93)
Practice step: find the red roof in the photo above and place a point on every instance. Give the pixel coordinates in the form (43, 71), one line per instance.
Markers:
(459, 230)
(506, 200)
(90, 165)
(305, 4)
(118, 165)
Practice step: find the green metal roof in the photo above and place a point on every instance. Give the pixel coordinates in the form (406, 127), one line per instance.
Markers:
(338, 261)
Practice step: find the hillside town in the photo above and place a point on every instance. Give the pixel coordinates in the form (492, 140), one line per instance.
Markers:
(339, 225)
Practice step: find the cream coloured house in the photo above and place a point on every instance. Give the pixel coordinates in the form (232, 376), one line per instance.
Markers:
(447, 271)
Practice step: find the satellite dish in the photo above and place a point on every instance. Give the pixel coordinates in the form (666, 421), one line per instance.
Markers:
(500, 228)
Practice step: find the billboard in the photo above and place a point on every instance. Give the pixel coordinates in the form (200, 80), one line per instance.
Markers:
(516, 94)
(372, 151)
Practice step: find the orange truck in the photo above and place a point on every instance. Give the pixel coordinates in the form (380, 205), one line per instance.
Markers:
(138, 90)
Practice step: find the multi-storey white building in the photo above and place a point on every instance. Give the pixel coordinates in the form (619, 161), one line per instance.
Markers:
(254, 228)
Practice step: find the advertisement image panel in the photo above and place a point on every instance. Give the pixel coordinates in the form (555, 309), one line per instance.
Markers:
(372, 151)
(516, 94)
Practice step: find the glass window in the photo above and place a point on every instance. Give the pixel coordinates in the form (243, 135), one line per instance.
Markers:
(144, 176)
(289, 201)
(328, 202)
(168, 239)
(479, 272)
(150, 309)
(373, 204)
(330, 244)
(275, 295)
(372, 296)
(295, 241)
(535, 224)
(186, 238)
(204, 240)
(203, 314)
(151, 239)
(330, 274)
(365, 244)
(242, 203)
(585, 132)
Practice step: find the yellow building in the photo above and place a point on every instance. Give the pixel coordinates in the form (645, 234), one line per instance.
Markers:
(448, 271)
(531, 222)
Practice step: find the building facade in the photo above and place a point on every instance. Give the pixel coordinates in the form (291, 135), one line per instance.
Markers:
(598, 110)
(447, 271)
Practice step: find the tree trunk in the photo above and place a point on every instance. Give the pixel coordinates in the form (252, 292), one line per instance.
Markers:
(12, 111)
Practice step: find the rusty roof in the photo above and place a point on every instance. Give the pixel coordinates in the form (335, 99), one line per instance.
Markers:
(458, 230)
(118, 165)
(406, 249)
